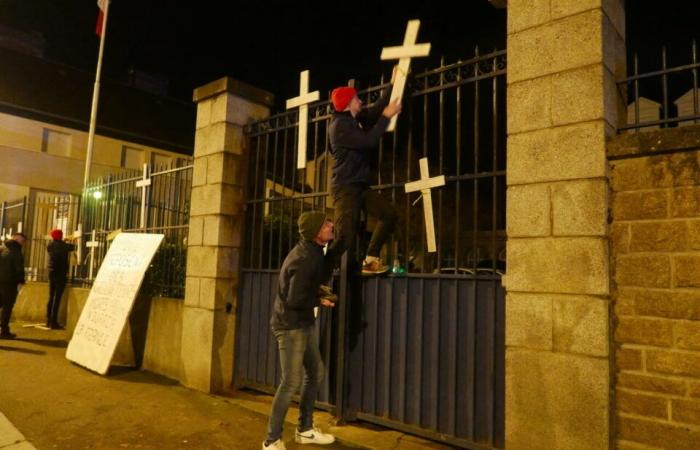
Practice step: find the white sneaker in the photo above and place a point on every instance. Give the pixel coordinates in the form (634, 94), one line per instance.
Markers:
(277, 445)
(313, 436)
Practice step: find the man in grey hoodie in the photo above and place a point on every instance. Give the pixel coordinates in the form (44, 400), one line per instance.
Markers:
(292, 322)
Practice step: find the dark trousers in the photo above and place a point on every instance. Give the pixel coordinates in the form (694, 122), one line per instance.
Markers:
(349, 201)
(57, 284)
(8, 296)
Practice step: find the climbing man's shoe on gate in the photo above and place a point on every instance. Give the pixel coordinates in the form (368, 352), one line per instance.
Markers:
(313, 436)
(373, 266)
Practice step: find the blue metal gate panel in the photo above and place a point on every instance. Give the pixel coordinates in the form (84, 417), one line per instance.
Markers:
(256, 359)
(427, 353)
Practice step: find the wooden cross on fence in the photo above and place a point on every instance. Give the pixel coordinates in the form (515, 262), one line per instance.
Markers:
(92, 244)
(424, 185)
(77, 238)
(302, 101)
(404, 53)
(143, 184)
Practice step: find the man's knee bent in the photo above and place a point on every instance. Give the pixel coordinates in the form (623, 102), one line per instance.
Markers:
(291, 383)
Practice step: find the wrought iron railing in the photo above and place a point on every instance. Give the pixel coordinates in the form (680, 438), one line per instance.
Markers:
(12, 217)
(124, 202)
(454, 115)
(664, 97)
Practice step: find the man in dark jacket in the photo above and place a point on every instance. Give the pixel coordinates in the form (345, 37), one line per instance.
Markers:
(59, 252)
(354, 134)
(292, 324)
(11, 280)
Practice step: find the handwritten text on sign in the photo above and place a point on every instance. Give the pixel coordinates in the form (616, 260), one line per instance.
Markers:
(110, 300)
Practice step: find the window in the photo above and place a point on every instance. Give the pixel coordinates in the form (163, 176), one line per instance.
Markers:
(56, 143)
(132, 158)
(158, 161)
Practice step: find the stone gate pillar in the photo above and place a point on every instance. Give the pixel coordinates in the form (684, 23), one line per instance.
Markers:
(563, 59)
(216, 220)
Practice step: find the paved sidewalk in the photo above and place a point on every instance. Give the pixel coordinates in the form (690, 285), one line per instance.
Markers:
(59, 405)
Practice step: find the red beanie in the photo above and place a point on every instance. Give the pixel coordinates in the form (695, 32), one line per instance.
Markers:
(56, 235)
(341, 97)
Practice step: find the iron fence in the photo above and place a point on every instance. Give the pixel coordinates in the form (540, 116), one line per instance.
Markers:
(13, 215)
(462, 144)
(48, 211)
(156, 200)
(421, 350)
(664, 96)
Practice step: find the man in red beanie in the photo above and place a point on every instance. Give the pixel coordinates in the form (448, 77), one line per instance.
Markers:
(59, 252)
(354, 133)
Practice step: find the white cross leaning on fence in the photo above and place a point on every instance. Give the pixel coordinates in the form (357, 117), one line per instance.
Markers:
(424, 185)
(302, 101)
(404, 53)
(143, 184)
(77, 237)
(92, 244)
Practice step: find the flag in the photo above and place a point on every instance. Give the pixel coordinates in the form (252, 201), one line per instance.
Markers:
(102, 4)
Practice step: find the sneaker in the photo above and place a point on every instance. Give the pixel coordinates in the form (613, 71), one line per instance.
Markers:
(7, 335)
(313, 436)
(277, 445)
(374, 267)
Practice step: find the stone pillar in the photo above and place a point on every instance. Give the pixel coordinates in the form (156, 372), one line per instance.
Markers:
(563, 59)
(224, 107)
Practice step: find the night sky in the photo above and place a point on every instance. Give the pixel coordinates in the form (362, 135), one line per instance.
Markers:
(267, 43)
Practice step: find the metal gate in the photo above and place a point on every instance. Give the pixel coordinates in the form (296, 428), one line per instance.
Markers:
(420, 350)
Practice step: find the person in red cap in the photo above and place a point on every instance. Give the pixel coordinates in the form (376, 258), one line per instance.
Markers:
(59, 252)
(354, 133)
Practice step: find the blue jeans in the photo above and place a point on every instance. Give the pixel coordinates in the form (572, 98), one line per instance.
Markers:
(302, 367)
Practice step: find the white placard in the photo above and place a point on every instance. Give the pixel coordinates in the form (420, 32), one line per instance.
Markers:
(110, 300)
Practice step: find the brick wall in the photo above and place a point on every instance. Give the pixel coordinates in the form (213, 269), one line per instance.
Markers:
(655, 251)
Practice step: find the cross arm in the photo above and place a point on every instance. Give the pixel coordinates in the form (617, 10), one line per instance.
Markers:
(303, 99)
(405, 51)
(421, 185)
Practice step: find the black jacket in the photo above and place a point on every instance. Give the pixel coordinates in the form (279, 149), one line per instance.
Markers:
(352, 138)
(297, 289)
(11, 263)
(59, 252)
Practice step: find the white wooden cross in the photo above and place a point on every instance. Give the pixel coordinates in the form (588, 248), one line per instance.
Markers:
(424, 185)
(404, 53)
(77, 237)
(92, 244)
(302, 101)
(142, 184)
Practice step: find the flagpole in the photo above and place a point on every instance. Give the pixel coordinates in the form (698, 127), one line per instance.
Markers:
(95, 98)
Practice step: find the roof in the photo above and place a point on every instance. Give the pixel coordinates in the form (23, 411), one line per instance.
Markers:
(42, 90)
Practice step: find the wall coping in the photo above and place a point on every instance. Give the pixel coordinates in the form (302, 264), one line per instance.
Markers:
(235, 87)
(651, 142)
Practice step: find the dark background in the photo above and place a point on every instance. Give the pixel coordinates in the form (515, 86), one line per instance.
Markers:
(267, 43)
